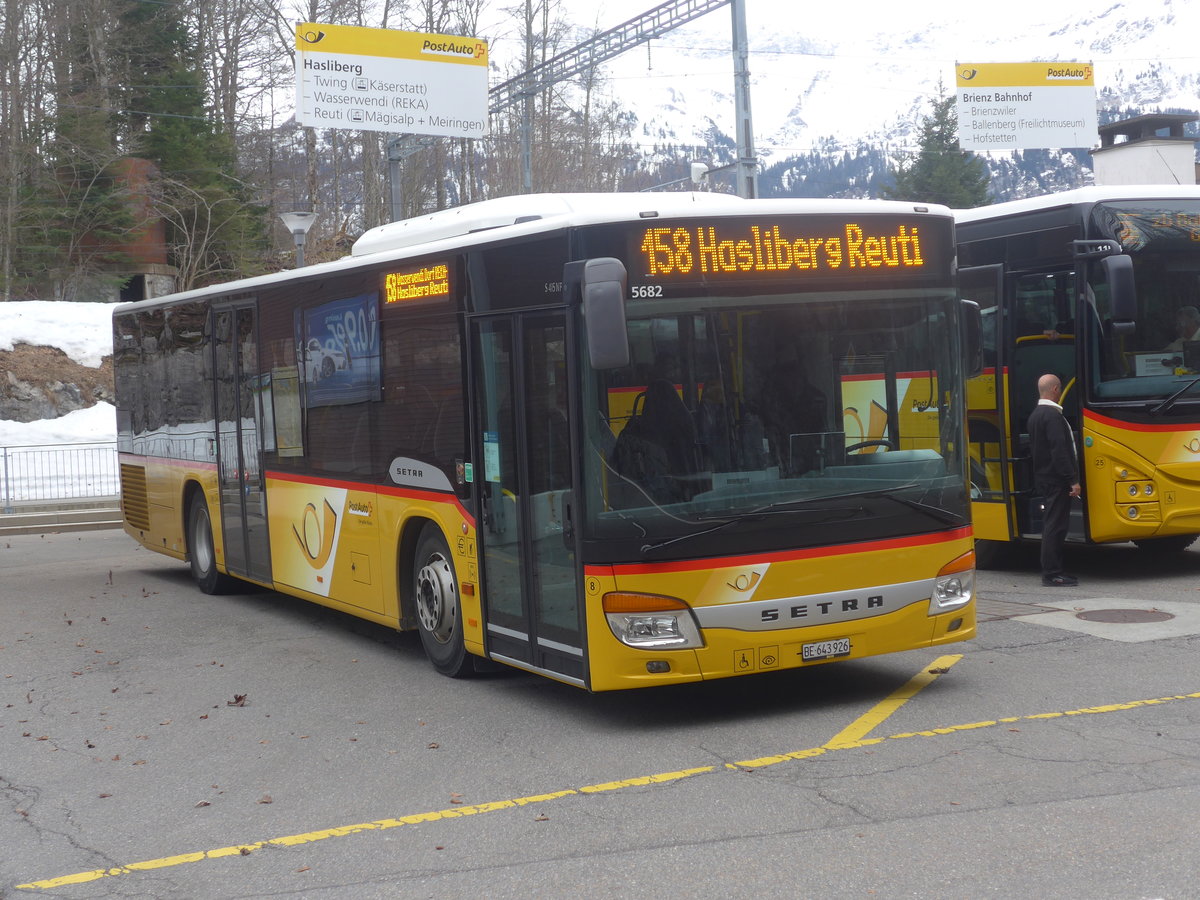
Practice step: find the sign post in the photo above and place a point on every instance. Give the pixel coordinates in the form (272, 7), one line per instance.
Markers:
(376, 79)
(1026, 106)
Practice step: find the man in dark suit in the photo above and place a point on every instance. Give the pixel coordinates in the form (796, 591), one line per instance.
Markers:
(1055, 476)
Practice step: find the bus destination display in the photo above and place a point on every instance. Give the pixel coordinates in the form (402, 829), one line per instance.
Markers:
(738, 249)
(428, 282)
(1136, 229)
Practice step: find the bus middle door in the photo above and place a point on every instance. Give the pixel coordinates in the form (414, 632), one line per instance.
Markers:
(530, 578)
(239, 442)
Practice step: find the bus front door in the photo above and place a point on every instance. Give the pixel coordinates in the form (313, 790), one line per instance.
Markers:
(524, 475)
(239, 443)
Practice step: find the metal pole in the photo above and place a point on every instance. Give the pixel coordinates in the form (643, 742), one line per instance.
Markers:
(527, 144)
(394, 157)
(8, 507)
(747, 162)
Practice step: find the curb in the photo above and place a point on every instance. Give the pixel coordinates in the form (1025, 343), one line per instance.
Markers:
(47, 521)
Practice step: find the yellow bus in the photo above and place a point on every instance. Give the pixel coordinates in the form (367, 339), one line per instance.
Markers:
(1099, 286)
(619, 440)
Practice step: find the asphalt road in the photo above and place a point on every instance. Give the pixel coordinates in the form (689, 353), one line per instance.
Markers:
(157, 742)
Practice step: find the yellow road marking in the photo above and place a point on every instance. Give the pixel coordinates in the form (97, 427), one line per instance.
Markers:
(663, 777)
(853, 734)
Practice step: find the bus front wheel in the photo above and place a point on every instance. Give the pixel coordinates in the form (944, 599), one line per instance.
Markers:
(201, 553)
(439, 613)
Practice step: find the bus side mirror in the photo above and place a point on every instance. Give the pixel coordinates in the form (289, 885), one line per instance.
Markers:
(971, 326)
(1122, 294)
(603, 289)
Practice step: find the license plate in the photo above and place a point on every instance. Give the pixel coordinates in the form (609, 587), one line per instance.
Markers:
(825, 649)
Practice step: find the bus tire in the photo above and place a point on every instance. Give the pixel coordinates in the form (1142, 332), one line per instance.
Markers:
(202, 554)
(1166, 546)
(439, 610)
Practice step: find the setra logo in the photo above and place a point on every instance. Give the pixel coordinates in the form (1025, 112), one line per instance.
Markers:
(315, 536)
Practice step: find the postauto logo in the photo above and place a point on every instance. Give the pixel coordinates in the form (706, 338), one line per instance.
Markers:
(467, 49)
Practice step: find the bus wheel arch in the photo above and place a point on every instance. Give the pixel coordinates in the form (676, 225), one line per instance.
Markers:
(434, 600)
(201, 548)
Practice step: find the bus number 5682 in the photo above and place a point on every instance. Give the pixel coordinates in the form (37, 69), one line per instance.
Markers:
(645, 291)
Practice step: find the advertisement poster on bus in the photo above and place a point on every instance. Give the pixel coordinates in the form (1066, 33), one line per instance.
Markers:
(339, 351)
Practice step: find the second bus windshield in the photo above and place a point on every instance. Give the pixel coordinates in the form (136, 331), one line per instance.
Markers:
(1163, 239)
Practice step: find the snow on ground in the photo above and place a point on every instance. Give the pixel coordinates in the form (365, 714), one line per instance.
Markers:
(96, 423)
(84, 332)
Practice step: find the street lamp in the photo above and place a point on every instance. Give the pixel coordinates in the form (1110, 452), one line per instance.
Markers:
(298, 224)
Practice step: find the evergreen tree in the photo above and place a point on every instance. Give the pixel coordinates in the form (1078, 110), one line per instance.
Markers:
(213, 229)
(941, 172)
(72, 213)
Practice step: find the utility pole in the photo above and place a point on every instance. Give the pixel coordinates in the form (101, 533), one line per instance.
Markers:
(747, 162)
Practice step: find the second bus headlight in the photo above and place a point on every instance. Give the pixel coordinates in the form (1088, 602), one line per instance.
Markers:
(650, 621)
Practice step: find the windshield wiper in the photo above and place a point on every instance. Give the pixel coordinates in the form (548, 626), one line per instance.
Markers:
(797, 504)
(751, 516)
(945, 516)
(1166, 405)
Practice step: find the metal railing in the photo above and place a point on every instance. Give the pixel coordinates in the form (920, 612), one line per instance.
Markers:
(58, 473)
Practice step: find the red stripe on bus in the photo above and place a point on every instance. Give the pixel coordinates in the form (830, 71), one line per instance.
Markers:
(1140, 426)
(721, 562)
(876, 376)
(388, 490)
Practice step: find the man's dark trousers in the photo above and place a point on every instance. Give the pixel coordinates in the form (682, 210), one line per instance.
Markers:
(1056, 519)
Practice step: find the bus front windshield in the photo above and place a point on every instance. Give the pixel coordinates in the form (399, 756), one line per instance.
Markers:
(1162, 354)
(776, 422)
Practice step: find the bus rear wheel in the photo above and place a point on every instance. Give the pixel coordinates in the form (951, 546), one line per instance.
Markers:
(439, 612)
(1166, 546)
(201, 550)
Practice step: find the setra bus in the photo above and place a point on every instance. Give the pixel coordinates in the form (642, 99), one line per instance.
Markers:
(616, 439)
(1099, 286)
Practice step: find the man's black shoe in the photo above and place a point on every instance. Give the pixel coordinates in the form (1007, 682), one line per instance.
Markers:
(1060, 580)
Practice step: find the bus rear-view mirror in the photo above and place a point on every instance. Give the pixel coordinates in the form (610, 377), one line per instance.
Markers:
(1122, 294)
(603, 289)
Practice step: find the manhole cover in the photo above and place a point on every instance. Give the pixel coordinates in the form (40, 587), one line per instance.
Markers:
(1124, 616)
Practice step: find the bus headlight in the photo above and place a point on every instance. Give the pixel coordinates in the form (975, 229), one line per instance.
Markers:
(651, 622)
(954, 585)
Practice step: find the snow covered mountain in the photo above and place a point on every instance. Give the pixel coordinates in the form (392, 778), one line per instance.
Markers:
(836, 79)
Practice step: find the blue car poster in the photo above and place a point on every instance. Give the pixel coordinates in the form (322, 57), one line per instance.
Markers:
(339, 351)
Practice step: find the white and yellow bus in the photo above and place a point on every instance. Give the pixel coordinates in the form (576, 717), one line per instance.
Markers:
(618, 440)
(1093, 285)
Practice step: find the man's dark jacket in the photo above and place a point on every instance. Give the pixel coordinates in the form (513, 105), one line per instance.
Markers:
(1052, 447)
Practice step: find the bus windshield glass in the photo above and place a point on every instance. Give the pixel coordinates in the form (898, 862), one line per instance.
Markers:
(1163, 239)
(776, 420)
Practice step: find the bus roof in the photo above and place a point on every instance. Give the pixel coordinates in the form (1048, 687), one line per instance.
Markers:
(531, 214)
(565, 210)
(1080, 196)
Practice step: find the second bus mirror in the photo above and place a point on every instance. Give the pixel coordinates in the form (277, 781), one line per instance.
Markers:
(603, 291)
(1118, 273)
